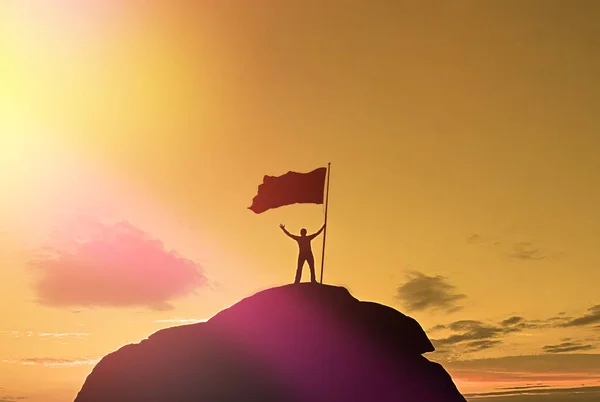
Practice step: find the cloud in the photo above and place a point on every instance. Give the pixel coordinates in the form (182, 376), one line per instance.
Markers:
(521, 250)
(525, 387)
(474, 239)
(567, 347)
(469, 336)
(112, 265)
(473, 336)
(528, 378)
(437, 328)
(52, 362)
(542, 364)
(6, 398)
(422, 292)
(525, 251)
(542, 395)
(182, 320)
(476, 333)
(31, 334)
(62, 334)
(511, 321)
(484, 344)
(591, 317)
(534, 369)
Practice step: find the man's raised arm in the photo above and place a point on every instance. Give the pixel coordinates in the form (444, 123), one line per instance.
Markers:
(312, 236)
(282, 226)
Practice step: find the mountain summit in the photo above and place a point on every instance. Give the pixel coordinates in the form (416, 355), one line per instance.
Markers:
(294, 343)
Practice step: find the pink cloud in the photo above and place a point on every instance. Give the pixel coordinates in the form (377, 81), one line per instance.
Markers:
(98, 264)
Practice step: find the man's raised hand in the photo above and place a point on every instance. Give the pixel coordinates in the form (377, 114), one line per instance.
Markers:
(282, 226)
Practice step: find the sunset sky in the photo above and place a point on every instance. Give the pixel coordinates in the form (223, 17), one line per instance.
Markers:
(464, 138)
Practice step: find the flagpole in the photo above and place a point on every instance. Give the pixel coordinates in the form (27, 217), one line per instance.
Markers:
(325, 223)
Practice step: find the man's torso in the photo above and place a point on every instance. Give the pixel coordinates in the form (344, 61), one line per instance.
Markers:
(304, 245)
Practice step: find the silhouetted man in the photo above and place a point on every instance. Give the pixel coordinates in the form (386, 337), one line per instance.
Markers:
(305, 252)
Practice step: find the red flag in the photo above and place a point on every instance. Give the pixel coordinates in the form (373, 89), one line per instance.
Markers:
(290, 188)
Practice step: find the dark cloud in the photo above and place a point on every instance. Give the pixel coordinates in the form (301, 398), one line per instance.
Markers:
(526, 251)
(112, 265)
(422, 292)
(591, 317)
(558, 320)
(464, 325)
(473, 333)
(511, 321)
(477, 346)
(529, 324)
(567, 347)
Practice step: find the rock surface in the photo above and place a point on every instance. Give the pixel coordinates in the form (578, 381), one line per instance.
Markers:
(295, 343)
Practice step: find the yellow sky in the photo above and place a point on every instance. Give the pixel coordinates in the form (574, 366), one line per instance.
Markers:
(463, 138)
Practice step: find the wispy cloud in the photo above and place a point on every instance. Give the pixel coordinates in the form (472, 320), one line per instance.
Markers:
(512, 321)
(539, 386)
(422, 292)
(100, 264)
(587, 394)
(567, 347)
(436, 328)
(515, 378)
(52, 362)
(536, 369)
(474, 239)
(517, 250)
(476, 346)
(8, 398)
(62, 334)
(181, 320)
(526, 251)
(33, 334)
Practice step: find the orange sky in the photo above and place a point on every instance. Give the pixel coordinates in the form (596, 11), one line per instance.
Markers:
(464, 144)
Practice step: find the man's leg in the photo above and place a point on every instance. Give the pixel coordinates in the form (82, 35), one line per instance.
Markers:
(301, 260)
(311, 265)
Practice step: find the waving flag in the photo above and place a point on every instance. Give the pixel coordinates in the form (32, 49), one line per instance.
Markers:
(290, 188)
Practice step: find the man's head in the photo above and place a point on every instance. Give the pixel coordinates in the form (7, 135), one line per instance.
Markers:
(302, 232)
